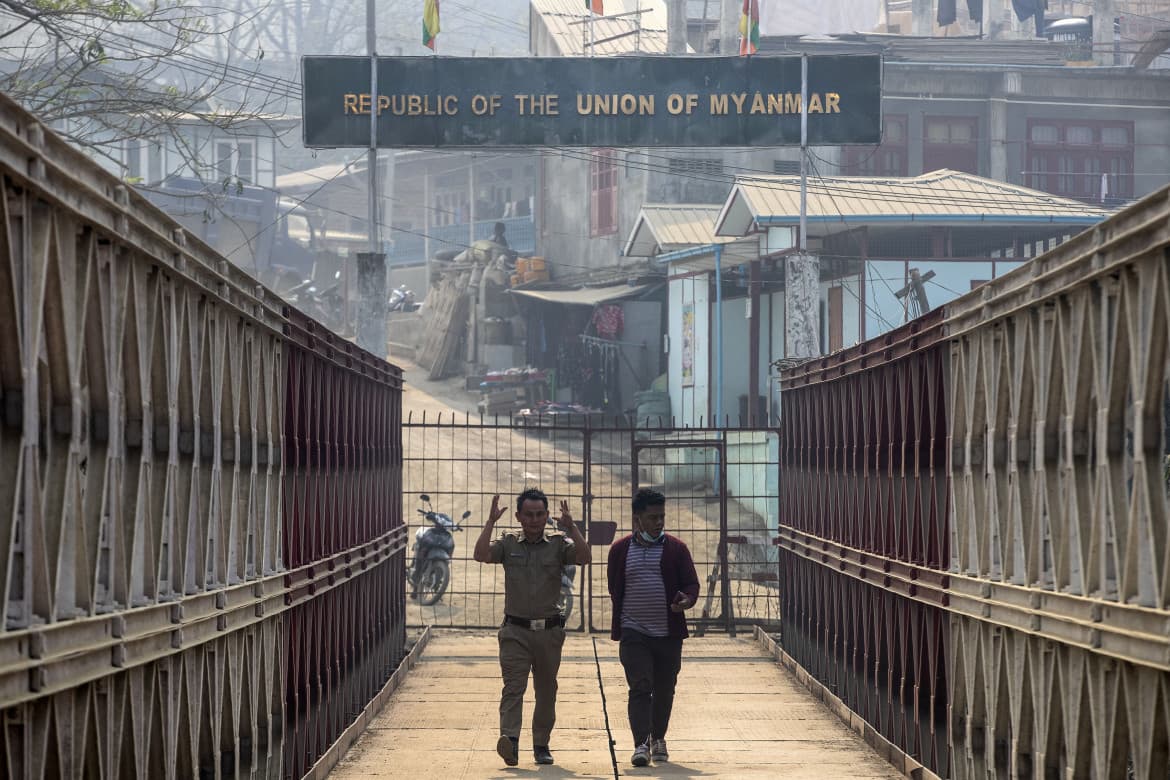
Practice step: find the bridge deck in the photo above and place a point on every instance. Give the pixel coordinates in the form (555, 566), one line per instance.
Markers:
(737, 714)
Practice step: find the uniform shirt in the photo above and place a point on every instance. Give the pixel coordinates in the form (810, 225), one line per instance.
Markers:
(645, 608)
(532, 572)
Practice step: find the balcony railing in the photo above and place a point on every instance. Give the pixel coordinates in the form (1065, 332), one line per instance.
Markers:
(411, 248)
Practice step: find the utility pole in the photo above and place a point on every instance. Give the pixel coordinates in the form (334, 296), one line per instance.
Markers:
(915, 291)
(371, 265)
(802, 269)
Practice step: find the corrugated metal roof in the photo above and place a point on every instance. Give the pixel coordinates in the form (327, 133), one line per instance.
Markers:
(586, 296)
(664, 227)
(564, 20)
(940, 197)
(907, 48)
(316, 177)
(683, 225)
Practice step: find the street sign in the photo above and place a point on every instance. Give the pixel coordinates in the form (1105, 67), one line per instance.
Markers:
(591, 101)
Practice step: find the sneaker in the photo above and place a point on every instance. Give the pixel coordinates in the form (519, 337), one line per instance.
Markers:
(509, 749)
(658, 750)
(541, 754)
(641, 755)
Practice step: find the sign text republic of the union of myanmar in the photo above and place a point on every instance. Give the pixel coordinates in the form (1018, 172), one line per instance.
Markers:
(604, 102)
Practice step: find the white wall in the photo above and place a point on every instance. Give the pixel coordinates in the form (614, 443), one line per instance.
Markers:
(689, 404)
(753, 473)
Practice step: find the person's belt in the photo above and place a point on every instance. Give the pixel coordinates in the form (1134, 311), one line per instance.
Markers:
(535, 625)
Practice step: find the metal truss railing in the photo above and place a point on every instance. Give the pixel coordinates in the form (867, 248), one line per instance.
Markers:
(996, 475)
(201, 561)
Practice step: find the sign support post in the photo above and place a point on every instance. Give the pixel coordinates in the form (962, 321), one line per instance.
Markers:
(802, 269)
(371, 265)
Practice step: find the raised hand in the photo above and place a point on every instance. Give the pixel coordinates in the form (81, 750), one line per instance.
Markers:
(566, 521)
(497, 511)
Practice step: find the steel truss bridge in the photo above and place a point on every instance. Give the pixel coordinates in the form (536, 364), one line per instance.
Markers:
(202, 541)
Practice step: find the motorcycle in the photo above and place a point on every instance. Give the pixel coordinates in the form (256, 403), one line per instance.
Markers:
(402, 299)
(568, 574)
(430, 572)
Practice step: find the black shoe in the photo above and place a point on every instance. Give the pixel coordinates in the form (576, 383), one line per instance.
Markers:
(509, 749)
(541, 754)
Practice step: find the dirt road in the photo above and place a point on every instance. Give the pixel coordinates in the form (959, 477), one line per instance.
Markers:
(461, 462)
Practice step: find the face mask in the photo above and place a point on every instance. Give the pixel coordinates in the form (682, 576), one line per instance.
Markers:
(650, 537)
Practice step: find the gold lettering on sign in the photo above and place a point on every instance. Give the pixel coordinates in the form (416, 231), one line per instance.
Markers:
(611, 105)
(592, 104)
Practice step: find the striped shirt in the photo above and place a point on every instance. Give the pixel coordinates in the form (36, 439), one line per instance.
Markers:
(645, 609)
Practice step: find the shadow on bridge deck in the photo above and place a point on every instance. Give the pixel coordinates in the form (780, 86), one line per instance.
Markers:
(737, 714)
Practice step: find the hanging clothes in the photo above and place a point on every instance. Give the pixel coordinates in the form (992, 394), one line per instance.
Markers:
(1031, 8)
(946, 12)
(608, 321)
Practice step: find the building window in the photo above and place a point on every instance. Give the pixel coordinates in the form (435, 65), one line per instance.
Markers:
(888, 159)
(143, 161)
(951, 142)
(235, 159)
(1090, 161)
(786, 167)
(603, 193)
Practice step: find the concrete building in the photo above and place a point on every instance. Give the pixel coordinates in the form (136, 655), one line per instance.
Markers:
(1013, 111)
(438, 201)
(726, 297)
(591, 198)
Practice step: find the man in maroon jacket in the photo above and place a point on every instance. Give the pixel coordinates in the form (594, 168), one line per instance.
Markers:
(652, 581)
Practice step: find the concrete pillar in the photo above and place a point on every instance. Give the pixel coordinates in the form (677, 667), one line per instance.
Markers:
(922, 17)
(676, 27)
(755, 282)
(1104, 12)
(371, 308)
(997, 137)
(730, 11)
(802, 304)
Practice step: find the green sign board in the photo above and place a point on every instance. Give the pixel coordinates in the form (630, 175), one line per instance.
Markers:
(642, 101)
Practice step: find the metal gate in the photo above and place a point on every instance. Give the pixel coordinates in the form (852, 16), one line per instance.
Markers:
(722, 500)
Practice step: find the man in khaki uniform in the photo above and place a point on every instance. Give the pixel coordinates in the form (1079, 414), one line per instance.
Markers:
(533, 630)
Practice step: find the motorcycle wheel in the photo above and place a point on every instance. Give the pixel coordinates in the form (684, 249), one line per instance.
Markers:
(432, 583)
(565, 604)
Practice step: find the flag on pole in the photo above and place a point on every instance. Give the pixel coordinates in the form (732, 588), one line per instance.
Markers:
(749, 28)
(430, 22)
(595, 6)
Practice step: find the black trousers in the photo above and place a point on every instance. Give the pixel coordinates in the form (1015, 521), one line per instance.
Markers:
(651, 665)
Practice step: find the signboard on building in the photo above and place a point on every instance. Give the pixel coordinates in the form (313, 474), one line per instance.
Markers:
(592, 102)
